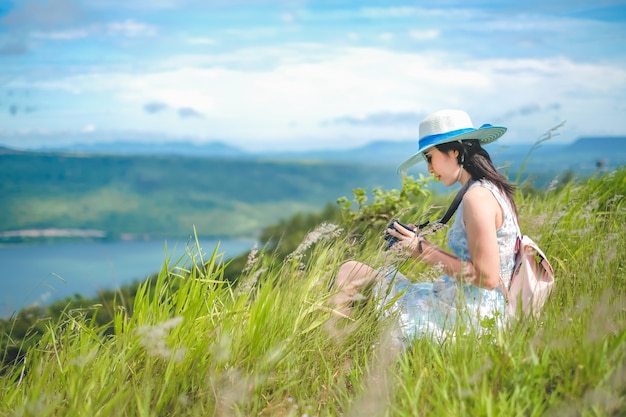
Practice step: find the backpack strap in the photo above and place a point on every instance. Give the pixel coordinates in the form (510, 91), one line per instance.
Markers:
(503, 289)
(518, 247)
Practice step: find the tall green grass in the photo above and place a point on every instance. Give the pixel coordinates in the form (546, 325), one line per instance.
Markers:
(195, 345)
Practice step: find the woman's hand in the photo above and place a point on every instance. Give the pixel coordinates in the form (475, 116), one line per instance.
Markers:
(408, 242)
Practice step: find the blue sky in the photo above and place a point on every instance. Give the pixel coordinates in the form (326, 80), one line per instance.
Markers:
(295, 75)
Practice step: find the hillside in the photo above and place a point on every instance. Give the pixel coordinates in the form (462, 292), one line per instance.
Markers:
(273, 345)
(168, 195)
(152, 194)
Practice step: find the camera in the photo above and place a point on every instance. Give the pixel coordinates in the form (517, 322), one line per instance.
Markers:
(392, 240)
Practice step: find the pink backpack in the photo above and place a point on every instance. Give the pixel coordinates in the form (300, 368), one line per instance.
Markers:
(532, 280)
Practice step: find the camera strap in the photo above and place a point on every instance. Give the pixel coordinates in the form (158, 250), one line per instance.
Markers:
(455, 205)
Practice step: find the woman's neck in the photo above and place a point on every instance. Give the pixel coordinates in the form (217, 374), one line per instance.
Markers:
(464, 176)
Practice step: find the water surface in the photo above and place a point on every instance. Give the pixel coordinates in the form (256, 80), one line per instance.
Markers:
(41, 273)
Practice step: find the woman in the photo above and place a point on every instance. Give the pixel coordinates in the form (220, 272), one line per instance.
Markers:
(482, 239)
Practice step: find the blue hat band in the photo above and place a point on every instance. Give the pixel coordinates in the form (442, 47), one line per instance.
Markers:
(431, 140)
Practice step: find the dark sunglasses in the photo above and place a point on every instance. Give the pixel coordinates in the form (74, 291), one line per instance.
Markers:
(427, 157)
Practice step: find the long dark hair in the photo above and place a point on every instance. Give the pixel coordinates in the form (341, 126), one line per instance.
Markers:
(477, 162)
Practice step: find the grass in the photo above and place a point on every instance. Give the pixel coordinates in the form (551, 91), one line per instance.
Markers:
(196, 346)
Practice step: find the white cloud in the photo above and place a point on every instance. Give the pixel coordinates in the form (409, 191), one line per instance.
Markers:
(61, 35)
(257, 84)
(462, 12)
(295, 98)
(424, 35)
(288, 17)
(388, 12)
(130, 28)
(135, 4)
(201, 41)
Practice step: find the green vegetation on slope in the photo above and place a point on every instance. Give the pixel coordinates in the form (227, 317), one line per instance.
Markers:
(168, 196)
(195, 345)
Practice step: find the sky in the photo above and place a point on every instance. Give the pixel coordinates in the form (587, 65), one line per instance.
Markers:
(304, 75)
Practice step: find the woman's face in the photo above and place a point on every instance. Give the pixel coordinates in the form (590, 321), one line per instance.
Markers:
(443, 166)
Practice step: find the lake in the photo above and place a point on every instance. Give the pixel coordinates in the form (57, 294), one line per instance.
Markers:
(42, 273)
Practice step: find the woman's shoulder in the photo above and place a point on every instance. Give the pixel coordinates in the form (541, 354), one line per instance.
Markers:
(487, 192)
(481, 188)
(479, 195)
(484, 195)
(484, 183)
(487, 187)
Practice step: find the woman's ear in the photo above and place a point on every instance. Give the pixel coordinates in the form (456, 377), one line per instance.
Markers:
(456, 155)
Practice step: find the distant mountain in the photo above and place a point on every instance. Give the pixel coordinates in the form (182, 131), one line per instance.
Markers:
(375, 153)
(390, 153)
(186, 148)
(599, 145)
(584, 155)
(593, 153)
(5, 150)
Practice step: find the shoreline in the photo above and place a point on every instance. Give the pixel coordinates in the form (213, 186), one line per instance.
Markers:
(58, 235)
(53, 233)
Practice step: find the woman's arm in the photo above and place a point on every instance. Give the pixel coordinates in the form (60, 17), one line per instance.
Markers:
(482, 216)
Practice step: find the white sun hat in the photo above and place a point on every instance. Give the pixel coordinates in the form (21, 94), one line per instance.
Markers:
(449, 126)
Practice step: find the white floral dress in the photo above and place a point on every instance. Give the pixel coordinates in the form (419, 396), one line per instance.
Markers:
(435, 309)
